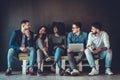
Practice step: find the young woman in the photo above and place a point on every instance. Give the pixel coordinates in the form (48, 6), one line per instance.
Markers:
(57, 43)
(42, 47)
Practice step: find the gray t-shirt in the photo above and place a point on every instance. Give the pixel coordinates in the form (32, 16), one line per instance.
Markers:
(57, 41)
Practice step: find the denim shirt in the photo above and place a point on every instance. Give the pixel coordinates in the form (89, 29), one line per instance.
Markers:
(73, 38)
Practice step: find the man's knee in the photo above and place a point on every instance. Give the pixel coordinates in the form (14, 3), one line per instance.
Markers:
(109, 51)
(39, 51)
(11, 51)
(58, 49)
(70, 57)
(32, 50)
(87, 51)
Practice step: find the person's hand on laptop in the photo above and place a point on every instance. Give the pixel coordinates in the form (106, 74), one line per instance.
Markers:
(69, 50)
(82, 50)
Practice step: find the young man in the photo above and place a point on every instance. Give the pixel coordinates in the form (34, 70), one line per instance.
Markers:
(75, 37)
(98, 43)
(21, 41)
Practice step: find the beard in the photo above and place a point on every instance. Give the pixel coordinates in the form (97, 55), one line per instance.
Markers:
(94, 33)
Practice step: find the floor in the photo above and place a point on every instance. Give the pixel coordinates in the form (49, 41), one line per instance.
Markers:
(52, 76)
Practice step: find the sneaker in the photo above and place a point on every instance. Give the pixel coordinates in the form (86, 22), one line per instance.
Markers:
(47, 58)
(61, 71)
(8, 72)
(39, 72)
(75, 72)
(67, 71)
(108, 71)
(53, 68)
(93, 72)
(31, 71)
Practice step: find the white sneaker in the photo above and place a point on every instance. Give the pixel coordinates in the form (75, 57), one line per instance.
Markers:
(108, 71)
(68, 71)
(75, 72)
(93, 72)
(53, 68)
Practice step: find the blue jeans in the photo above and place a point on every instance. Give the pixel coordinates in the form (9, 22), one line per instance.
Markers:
(104, 54)
(11, 53)
(57, 56)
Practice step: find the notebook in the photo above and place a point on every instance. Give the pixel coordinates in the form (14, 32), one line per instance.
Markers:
(76, 47)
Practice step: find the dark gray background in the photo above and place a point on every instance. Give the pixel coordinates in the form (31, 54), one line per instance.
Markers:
(44, 12)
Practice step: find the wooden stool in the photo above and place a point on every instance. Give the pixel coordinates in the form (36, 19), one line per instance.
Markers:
(63, 61)
(80, 65)
(24, 57)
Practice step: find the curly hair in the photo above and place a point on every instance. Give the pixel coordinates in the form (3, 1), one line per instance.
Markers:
(60, 26)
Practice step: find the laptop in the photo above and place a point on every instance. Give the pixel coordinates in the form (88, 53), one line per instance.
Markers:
(76, 47)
